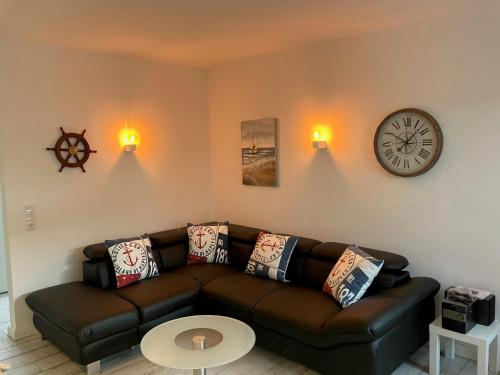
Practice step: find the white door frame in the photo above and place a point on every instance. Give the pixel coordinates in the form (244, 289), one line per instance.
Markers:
(3, 250)
(4, 266)
(4, 242)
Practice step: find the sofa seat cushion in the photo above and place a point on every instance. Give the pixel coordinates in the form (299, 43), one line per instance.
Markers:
(297, 312)
(160, 295)
(237, 294)
(205, 273)
(88, 313)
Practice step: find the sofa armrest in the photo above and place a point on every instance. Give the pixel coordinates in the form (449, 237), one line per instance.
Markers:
(377, 314)
(99, 273)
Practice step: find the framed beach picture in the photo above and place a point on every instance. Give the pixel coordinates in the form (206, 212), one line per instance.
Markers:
(259, 152)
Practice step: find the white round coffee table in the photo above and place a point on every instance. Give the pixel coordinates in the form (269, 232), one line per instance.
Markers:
(198, 342)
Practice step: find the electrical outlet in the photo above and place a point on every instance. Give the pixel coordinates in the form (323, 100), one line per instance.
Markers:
(29, 217)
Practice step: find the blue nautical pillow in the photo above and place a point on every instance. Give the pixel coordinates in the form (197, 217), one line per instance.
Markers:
(133, 259)
(271, 256)
(352, 275)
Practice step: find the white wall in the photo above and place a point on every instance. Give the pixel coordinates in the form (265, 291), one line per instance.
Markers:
(445, 221)
(163, 185)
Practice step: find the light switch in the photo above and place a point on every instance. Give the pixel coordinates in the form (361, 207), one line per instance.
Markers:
(29, 217)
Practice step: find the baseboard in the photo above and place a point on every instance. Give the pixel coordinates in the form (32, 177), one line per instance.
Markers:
(20, 333)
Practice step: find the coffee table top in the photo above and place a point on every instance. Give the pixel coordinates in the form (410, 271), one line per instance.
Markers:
(169, 344)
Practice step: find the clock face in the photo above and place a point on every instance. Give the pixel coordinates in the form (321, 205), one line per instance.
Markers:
(408, 142)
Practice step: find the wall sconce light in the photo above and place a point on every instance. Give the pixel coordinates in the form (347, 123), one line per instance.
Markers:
(129, 139)
(319, 139)
(131, 144)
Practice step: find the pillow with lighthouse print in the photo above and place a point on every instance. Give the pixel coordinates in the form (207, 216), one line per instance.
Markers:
(352, 275)
(133, 259)
(208, 243)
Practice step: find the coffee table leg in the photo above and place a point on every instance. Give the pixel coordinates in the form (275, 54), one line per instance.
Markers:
(199, 344)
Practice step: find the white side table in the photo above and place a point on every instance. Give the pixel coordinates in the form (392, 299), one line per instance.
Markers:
(479, 336)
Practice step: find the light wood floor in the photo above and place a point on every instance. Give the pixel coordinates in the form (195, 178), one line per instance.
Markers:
(32, 356)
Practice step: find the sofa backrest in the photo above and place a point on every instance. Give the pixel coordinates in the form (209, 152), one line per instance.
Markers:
(310, 263)
(324, 256)
(170, 248)
(242, 240)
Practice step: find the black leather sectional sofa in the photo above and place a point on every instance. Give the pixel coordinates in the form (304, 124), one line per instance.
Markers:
(92, 319)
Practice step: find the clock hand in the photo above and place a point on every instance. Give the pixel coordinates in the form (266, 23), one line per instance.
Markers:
(392, 135)
(411, 137)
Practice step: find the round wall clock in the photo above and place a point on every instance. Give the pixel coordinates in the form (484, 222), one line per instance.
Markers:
(408, 142)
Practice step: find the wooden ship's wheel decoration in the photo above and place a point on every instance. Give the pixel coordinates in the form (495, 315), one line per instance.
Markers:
(72, 150)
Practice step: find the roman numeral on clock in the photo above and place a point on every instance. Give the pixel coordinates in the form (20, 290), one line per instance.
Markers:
(423, 153)
(389, 154)
(396, 161)
(407, 122)
(406, 164)
(396, 124)
(427, 142)
(420, 127)
(387, 144)
(424, 131)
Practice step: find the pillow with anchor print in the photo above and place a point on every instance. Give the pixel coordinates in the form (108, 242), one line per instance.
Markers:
(271, 256)
(208, 243)
(133, 259)
(352, 275)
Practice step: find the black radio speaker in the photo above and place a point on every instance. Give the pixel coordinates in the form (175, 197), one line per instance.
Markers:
(458, 315)
(477, 305)
(485, 310)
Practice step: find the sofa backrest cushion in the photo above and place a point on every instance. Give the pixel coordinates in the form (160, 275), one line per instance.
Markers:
(302, 250)
(332, 251)
(171, 247)
(242, 241)
(323, 258)
(96, 251)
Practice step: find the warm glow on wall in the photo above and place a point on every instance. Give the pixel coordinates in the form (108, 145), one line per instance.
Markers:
(129, 139)
(320, 135)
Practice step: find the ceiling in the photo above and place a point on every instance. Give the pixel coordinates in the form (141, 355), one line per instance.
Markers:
(205, 33)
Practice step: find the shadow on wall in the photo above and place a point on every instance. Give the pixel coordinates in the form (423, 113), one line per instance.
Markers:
(323, 170)
(322, 182)
(128, 174)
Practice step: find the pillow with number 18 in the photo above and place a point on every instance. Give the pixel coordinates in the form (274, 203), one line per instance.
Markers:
(208, 243)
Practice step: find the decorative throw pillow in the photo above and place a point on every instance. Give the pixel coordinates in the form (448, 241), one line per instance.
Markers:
(132, 259)
(208, 243)
(352, 275)
(271, 255)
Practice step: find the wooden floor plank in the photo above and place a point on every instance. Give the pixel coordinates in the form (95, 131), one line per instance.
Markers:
(19, 349)
(33, 356)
